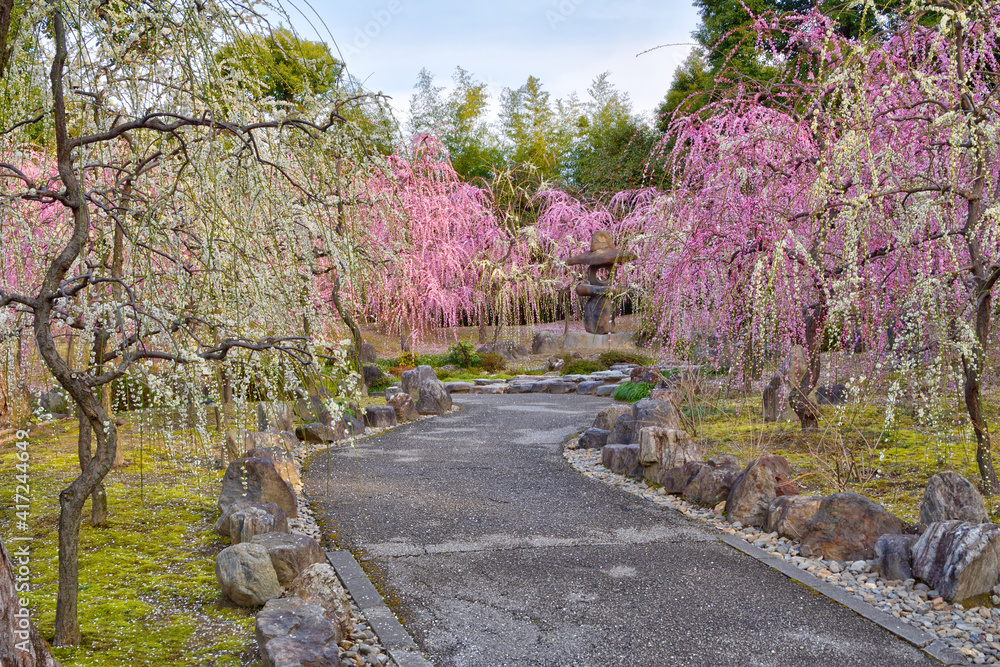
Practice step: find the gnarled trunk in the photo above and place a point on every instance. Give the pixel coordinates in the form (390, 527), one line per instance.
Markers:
(805, 409)
(20, 643)
(972, 369)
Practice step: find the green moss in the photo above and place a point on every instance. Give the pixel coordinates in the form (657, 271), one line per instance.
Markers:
(148, 593)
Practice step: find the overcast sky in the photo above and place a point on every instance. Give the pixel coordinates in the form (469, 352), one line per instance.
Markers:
(565, 43)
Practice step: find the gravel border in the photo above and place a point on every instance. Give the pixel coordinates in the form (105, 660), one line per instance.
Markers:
(947, 632)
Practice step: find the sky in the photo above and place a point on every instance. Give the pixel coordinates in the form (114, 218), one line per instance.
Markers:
(565, 43)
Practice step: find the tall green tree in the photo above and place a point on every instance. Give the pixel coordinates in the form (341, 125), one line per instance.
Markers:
(537, 131)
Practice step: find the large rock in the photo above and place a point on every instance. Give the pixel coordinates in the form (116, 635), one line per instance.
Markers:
(545, 342)
(711, 484)
(647, 374)
(959, 559)
(367, 354)
(651, 412)
(772, 399)
(893, 554)
(664, 449)
(351, 425)
(621, 431)
(290, 553)
(675, 480)
(835, 394)
(223, 528)
(240, 441)
(312, 409)
(428, 393)
(764, 479)
(589, 387)
(53, 402)
(402, 404)
(622, 459)
(380, 416)
(292, 632)
(320, 585)
(246, 523)
(283, 460)
(274, 417)
(607, 417)
(593, 438)
(246, 575)
(951, 496)
(846, 528)
(256, 480)
(790, 516)
(371, 374)
(317, 433)
(459, 387)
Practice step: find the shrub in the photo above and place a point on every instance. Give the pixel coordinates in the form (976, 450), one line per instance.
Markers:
(432, 360)
(442, 373)
(583, 367)
(463, 354)
(406, 359)
(493, 362)
(382, 383)
(612, 357)
(631, 392)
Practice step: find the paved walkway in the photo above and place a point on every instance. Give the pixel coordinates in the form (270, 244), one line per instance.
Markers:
(494, 552)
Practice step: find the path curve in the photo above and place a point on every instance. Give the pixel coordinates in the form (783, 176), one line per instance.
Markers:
(494, 552)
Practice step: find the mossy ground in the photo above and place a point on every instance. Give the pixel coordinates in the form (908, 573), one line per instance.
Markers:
(148, 594)
(851, 451)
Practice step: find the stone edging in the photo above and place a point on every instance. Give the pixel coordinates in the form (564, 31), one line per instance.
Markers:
(924, 641)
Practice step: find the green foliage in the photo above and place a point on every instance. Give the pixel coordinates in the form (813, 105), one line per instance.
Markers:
(463, 354)
(612, 357)
(382, 383)
(406, 359)
(630, 392)
(493, 362)
(582, 367)
(536, 131)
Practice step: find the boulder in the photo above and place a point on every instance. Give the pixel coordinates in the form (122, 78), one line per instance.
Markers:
(647, 374)
(380, 416)
(274, 417)
(764, 479)
(545, 342)
(558, 387)
(459, 387)
(312, 409)
(834, 394)
(588, 387)
(292, 632)
(371, 374)
(53, 402)
(607, 391)
(846, 527)
(675, 480)
(951, 496)
(711, 484)
(958, 559)
(350, 425)
(428, 393)
(892, 556)
(505, 348)
(664, 449)
(651, 412)
(246, 575)
(320, 585)
(223, 528)
(402, 405)
(283, 460)
(607, 417)
(790, 516)
(265, 485)
(367, 354)
(290, 553)
(392, 391)
(318, 433)
(772, 399)
(622, 459)
(593, 438)
(555, 363)
(621, 432)
(246, 523)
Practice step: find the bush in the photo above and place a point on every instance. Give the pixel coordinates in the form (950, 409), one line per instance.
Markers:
(493, 362)
(432, 360)
(463, 354)
(612, 357)
(631, 392)
(442, 373)
(583, 367)
(406, 359)
(382, 383)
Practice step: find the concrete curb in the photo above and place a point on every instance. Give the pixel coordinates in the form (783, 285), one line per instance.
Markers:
(927, 643)
(397, 642)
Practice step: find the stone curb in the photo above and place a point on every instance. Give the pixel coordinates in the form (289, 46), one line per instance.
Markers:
(918, 638)
(397, 642)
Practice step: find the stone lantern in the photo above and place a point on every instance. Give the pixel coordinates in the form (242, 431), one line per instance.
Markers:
(600, 262)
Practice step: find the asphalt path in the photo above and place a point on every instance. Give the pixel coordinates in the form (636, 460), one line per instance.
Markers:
(494, 552)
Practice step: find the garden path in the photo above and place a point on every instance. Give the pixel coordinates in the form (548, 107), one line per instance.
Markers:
(494, 552)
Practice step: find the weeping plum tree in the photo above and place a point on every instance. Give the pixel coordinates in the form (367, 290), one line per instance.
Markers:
(855, 194)
(151, 206)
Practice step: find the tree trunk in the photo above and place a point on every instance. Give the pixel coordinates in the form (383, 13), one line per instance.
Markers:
(405, 344)
(99, 497)
(805, 409)
(973, 372)
(20, 643)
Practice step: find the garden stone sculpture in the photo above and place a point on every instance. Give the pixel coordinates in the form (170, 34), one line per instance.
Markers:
(600, 262)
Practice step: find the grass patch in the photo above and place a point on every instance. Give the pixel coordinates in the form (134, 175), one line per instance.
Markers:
(632, 392)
